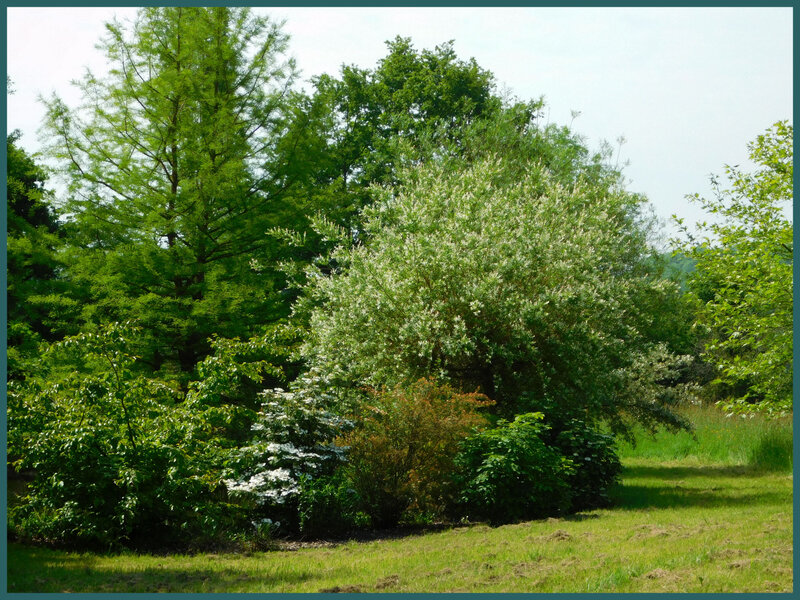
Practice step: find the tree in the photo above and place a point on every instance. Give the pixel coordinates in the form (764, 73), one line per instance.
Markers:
(385, 117)
(742, 280)
(366, 126)
(538, 294)
(411, 108)
(39, 307)
(178, 163)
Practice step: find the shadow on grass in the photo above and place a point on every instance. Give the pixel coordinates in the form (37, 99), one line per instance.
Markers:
(686, 472)
(685, 487)
(45, 571)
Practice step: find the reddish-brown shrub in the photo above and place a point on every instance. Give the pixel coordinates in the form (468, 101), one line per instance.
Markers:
(401, 453)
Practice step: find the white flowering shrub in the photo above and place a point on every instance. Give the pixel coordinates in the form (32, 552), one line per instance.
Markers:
(292, 439)
(526, 289)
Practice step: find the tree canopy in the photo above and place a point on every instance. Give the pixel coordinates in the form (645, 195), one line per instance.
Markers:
(179, 161)
(39, 303)
(385, 117)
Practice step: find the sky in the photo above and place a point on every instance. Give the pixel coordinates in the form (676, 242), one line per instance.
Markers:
(686, 88)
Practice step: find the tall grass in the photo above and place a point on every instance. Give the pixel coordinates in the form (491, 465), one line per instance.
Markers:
(757, 442)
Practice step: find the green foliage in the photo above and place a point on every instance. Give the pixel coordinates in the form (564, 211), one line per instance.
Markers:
(117, 459)
(680, 528)
(400, 454)
(329, 505)
(382, 116)
(39, 308)
(291, 441)
(230, 379)
(596, 466)
(494, 254)
(742, 281)
(516, 133)
(363, 128)
(509, 473)
(524, 288)
(178, 162)
(237, 370)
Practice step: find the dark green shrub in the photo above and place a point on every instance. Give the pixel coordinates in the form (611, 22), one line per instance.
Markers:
(329, 506)
(596, 464)
(508, 473)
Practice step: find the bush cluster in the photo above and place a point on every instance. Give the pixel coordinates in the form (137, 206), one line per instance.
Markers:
(118, 460)
(508, 473)
(425, 453)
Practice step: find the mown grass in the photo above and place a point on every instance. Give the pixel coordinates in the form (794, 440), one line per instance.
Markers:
(678, 525)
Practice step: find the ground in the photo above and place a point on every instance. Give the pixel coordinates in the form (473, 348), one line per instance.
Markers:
(677, 526)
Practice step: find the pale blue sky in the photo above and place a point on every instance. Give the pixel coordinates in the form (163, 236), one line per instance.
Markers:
(686, 87)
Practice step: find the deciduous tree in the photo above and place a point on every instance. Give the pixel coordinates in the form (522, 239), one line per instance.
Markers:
(743, 277)
(385, 117)
(538, 294)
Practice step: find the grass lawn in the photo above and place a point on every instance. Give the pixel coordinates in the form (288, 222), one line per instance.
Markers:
(687, 524)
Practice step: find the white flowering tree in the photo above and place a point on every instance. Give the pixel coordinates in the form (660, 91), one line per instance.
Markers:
(537, 292)
(292, 439)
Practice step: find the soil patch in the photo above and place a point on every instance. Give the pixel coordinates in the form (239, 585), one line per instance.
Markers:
(346, 589)
(387, 582)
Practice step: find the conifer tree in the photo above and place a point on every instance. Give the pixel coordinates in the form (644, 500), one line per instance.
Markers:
(179, 161)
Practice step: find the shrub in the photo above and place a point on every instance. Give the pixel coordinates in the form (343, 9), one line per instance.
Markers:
(117, 461)
(595, 461)
(292, 439)
(401, 454)
(329, 505)
(508, 473)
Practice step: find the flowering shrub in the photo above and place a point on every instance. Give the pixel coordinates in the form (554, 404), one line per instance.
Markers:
(292, 438)
(508, 473)
(400, 455)
(506, 285)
